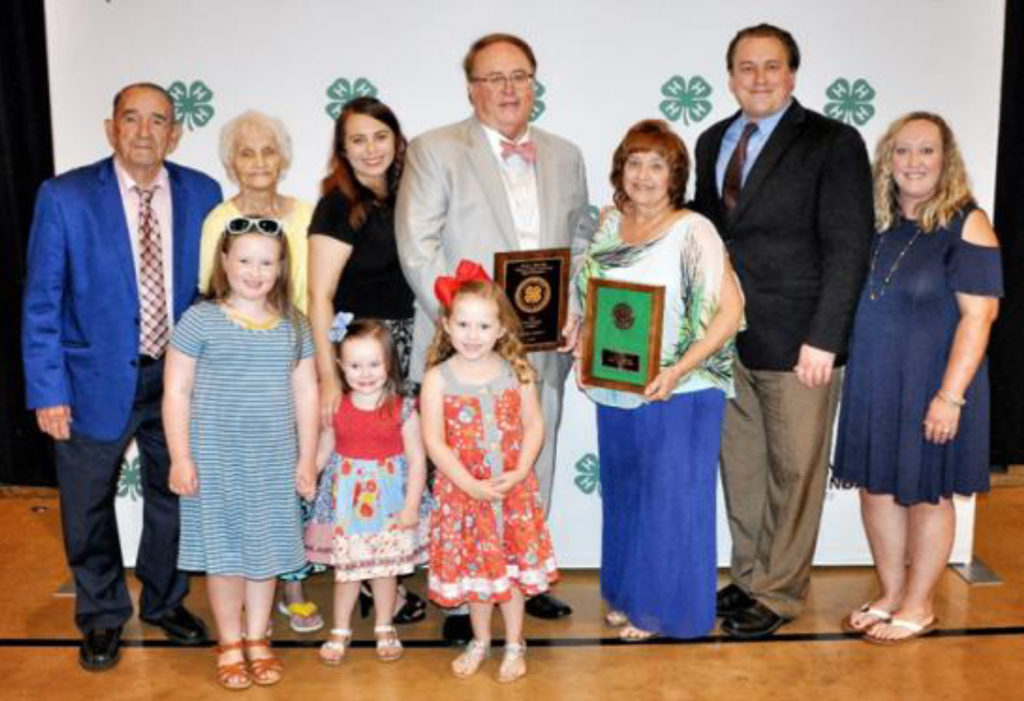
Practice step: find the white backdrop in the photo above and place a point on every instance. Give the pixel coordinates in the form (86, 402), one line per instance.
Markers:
(602, 66)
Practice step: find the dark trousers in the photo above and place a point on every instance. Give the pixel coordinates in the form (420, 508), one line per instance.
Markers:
(87, 474)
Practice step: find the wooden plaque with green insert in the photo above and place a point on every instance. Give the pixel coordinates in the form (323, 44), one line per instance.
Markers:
(622, 336)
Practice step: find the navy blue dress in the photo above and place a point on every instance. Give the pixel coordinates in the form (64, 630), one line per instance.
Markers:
(902, 337)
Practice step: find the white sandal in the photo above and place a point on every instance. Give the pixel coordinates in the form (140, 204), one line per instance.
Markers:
(333, 650)
(389, 647)
(468, 663)
(615, 618)
(878, 614)
(513, 663)
(914, 630)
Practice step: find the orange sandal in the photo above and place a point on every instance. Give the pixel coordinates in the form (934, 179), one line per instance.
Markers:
(233, 676)
(266, 671)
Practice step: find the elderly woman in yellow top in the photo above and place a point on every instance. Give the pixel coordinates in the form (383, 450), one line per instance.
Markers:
(256, 152)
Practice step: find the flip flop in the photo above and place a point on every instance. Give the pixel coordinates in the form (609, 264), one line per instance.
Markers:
(879, 615)
(632, 634)
(615, 619)
(917, 630)
(303, 617)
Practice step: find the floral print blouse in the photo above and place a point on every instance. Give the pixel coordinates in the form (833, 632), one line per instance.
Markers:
(689, 261)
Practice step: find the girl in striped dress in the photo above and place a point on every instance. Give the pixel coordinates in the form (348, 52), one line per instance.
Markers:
(241, 415)
(366, 511)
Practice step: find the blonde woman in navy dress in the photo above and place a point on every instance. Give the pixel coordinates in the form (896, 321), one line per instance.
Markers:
(914, 423)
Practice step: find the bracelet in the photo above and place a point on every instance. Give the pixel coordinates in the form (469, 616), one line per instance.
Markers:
(950, 399)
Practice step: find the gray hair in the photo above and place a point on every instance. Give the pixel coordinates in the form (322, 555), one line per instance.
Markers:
(231, 131)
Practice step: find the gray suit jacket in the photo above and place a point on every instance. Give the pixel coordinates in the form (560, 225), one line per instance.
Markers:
(452, 206)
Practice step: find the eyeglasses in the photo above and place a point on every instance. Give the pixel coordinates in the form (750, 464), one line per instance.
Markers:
(499, 81)
(259, 225)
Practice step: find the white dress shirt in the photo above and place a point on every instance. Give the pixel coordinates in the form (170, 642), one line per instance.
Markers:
(520, 180)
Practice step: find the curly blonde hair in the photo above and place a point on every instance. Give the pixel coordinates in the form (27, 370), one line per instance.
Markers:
(508, 346)
(952, 192)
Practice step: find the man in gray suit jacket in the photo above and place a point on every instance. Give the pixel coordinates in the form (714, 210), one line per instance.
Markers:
(487, 184)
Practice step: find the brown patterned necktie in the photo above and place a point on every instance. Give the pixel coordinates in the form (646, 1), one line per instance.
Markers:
(733, 181)
(154, 330)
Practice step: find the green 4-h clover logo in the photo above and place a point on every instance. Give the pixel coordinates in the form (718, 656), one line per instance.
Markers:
(192, 103)
(850, 103)
(538, 104)
(341, 92)
(688, 100)
(589, 477)
(129, 484)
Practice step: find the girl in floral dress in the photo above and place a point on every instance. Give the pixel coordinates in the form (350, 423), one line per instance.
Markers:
(483, 429)
(373, 470)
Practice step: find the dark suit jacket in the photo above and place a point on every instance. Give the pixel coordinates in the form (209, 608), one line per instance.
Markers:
(80, 319)
(799, 235)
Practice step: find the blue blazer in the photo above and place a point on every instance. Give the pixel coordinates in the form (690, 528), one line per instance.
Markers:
(80, 317)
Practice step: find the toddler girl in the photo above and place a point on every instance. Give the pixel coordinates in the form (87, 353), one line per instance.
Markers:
(373, 472)
(483, 429)
(240, 413)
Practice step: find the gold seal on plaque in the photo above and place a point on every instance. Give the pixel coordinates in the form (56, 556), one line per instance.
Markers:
(533, 294)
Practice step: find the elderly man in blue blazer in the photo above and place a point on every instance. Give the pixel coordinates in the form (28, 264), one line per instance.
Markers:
(112, 262)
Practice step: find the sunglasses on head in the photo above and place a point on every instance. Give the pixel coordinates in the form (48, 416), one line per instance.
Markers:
(259, 225)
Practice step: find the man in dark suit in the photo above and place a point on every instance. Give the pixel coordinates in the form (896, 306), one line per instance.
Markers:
(790, 193)
(112, 262)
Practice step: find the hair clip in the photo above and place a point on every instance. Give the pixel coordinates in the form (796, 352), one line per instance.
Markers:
(339, 327)
(445, 287)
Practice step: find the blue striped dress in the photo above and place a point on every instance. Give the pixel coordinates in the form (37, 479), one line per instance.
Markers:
(245, 519)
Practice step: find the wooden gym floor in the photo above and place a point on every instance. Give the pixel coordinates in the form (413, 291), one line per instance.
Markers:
(977, 653)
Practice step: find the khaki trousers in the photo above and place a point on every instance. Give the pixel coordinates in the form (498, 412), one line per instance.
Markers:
(775, 449)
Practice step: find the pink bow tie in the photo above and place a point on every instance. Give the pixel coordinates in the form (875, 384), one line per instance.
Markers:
(527, 150)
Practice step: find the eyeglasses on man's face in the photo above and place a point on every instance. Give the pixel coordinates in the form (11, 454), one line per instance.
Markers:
(520, 80)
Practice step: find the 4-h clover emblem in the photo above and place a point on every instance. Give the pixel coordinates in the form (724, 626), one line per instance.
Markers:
(538, 104)
(589, 477)
(341, 92)
(686, 99)
(850, 103)
(192, 103)
(129, 483)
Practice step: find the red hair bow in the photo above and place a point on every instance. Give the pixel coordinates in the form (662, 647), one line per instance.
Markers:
(445, 286)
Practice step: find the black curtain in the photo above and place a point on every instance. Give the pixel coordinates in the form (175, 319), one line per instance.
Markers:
(1006, 351)
(26, 159)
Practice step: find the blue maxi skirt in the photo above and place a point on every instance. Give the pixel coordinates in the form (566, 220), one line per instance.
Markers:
(658, 467)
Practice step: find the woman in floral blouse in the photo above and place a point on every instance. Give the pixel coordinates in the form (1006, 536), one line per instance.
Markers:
(659, 449)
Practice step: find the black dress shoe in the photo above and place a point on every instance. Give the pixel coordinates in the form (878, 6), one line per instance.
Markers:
(547, 606)
(758, 621)
(181, 626)
(457, 629)
(101, 649)
(413, 610)
(731, 600)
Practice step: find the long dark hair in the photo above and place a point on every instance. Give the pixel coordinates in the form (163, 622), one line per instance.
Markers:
(341, 176)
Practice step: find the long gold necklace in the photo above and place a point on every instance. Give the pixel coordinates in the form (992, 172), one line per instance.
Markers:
(880, 292)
